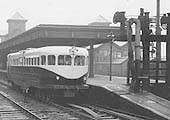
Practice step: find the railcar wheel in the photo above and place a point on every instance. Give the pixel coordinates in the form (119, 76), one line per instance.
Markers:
(37, 94)
(47, 98)
(31, 92)
(10, 83)
(25, 90)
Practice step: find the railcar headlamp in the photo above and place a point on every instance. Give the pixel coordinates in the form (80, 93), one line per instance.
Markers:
(57, 77)
(85, 78)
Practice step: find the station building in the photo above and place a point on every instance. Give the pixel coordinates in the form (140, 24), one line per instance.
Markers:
(119, 59)
(16, 26)
(102, 54)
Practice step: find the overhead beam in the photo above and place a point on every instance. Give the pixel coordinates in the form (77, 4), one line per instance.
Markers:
(71, 32)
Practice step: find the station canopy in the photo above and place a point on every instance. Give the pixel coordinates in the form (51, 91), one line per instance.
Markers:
(66, 35)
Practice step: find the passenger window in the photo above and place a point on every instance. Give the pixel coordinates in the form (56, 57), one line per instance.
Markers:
(35, 61)
(32, 61)
(20, 61)
(43, 60)
(14, 61)
(61, 60)
(24, 61)
(38, 61)
(51, 60)
(29, 59)
(64, 60)
(79, 60)
(67, 60)
(17, 61)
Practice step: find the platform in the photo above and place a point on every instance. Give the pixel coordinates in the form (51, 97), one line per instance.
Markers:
(145, 99)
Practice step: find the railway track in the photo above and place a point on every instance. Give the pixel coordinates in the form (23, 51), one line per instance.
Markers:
(55, 111)
(121, 113)
(11, 110)
(103, 113)
(41, 109)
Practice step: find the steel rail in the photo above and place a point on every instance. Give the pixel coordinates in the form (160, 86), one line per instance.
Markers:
(34, 116)
(98, 113)
(77, 113)
(123, 112)
(53, 104)
(113, 111)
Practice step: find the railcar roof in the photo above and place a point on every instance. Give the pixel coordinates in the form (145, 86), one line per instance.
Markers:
(14, 54)
(56, 50)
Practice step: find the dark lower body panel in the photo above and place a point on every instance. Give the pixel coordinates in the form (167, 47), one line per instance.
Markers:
(36, 79)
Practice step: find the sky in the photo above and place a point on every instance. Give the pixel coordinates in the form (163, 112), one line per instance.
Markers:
(74, 12)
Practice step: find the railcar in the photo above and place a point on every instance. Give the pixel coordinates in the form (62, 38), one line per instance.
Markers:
(50, 70)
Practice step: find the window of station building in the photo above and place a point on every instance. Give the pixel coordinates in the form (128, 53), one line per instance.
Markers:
(64, 60)
(43, 60)
(51, 60)
(79, 60)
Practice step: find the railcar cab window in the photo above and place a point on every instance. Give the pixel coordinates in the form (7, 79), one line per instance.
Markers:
(79, 60)
(51, 60)
(64, 60)
(43, 60)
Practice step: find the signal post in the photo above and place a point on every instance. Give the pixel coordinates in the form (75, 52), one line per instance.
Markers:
(144, 19)
(165, 20)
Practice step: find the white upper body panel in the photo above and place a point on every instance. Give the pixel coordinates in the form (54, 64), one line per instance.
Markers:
(68, 71)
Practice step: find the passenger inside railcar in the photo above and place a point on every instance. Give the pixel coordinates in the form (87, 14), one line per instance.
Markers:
(79, 61)
(60, 60)
(64, 60)
(67, 60)
(51, 60)
(43, 60)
